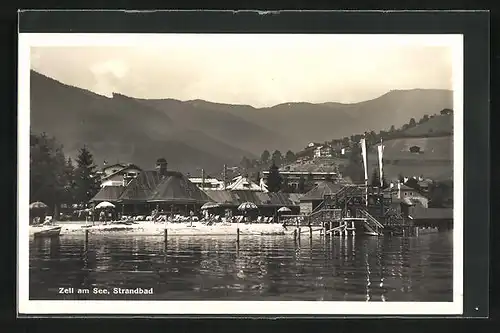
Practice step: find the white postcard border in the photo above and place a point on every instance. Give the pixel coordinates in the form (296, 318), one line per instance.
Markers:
(30, 307)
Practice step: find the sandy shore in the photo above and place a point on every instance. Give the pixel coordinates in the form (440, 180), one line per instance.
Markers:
(183, 228)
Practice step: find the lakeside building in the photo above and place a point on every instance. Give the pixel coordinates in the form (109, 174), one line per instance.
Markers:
(267, 203)
(119, 174)
(208, 183)
(241, 183)
(154, 189)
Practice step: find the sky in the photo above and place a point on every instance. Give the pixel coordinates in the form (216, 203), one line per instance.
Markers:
(257, 70)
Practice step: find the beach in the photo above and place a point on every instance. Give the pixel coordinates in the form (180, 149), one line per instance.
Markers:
(180, 228)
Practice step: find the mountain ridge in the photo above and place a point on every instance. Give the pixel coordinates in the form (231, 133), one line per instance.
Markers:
(197, 133)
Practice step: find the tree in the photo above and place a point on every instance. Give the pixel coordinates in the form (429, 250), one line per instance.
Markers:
(277, 157)
(392, 129)
(290, 157)
(345, 141)
(264, 158)
(302, 184)
(375, 182)
(69, 181)
(446, 111)
(354, 168)
(401, 178)
(47, 171)
(424, 119)
(412, 123)
(273, 179)
(285, 186)
(309, 183)
(86, 178)
(245, 163)
(256, 177)
(384, 182)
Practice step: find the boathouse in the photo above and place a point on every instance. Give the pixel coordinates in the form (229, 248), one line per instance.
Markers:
(441, 218)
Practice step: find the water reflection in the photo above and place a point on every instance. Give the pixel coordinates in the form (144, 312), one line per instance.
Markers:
(258, 268)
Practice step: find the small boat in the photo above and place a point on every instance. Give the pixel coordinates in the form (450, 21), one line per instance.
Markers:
(47, 231)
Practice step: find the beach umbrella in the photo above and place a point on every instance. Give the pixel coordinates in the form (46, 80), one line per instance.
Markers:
(284, 210)
(105, 204)
(210, 205)
(38, 205)
(247, 206)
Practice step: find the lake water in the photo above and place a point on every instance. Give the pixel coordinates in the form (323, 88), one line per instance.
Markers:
(262, 268)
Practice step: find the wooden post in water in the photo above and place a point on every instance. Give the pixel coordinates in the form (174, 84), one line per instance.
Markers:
(310, 232)
(353, 228)
(295, 235)
(238, 235)
(86, 239)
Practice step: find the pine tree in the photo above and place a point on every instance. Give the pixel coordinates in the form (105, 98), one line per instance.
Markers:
(302, 184)
(375, 178)
(69, 175)
(274, 179)
(277, 157)
(264, 158)
(354, 168)
(412, 123)
(290, 157)
(48, 180)
(245, 163)
(285, 187)
(86, 179)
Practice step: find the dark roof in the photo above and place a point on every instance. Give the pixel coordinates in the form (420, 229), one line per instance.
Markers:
(129, 166)
(177, 188)
(108, 193)
(141, 188)
(419, 213)
(174, 187)
(322, 189)
(235, 198)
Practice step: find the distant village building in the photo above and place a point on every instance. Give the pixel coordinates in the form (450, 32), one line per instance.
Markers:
(208, 183)
(293, 176)
(323, 152)
(119, 174)
(242, 183)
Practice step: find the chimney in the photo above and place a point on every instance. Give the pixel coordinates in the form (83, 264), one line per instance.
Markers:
(161, 167)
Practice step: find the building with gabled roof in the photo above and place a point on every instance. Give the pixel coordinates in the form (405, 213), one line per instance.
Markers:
(242, 183)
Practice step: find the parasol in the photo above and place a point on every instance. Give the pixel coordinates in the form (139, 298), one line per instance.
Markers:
(38, 205)
(105, 204)
(247, 206)
(210, 205)
(284, 209)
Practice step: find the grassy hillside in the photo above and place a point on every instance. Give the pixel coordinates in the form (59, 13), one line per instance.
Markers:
(435, 161)
(439, 125)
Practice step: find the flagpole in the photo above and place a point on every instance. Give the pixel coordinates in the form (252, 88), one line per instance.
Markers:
(363, 152)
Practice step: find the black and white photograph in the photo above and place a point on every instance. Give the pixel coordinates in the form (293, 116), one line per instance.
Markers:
(233, 173)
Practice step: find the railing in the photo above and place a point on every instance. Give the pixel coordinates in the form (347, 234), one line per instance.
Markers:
(370, 218)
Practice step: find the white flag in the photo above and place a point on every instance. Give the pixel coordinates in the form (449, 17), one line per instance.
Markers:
(363, 152)
(380, 164)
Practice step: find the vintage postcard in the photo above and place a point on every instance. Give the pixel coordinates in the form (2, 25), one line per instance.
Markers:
(246, 174)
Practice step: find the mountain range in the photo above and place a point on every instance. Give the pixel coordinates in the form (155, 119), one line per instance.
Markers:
(199, 134)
